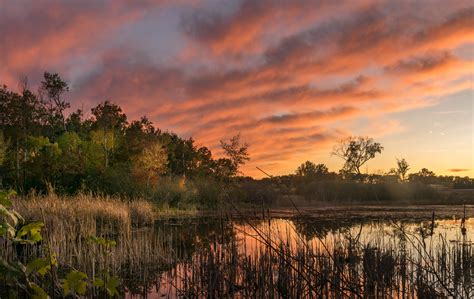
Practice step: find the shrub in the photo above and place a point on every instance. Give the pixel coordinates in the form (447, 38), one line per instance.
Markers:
(173, 192)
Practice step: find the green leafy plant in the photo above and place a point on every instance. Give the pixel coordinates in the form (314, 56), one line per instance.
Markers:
(15, 274)
(107, 282)
(19, 279)
(75, 283)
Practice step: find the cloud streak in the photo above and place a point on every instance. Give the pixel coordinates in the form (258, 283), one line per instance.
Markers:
(291, 76)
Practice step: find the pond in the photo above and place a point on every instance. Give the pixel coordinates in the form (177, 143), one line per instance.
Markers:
(317, 252)
(303, 256)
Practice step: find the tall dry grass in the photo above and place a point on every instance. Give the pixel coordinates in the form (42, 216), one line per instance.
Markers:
(74, 224)
(86, 214)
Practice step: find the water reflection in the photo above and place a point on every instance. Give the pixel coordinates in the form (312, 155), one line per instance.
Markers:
(241, 246)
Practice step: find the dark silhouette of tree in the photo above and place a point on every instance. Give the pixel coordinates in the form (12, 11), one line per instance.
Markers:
(51, 91)
(309, 169)
(224, 168)
(402, 169)
(205, 164)
(236, 151)
(75, 123)
(356, 151)
(182, 155)
(424, 176)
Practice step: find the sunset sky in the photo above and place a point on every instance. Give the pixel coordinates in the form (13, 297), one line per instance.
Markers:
(292, 77)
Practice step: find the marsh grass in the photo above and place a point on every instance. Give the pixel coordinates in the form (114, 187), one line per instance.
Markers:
(94, 213)
(96, 234)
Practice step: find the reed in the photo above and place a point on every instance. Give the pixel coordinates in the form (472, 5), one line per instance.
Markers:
(402, 267)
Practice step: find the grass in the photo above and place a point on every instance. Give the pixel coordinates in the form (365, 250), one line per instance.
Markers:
(94, 213)
(95, 234)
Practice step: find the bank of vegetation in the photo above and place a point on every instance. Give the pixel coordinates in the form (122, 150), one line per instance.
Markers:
(46, 150)
(115, 250)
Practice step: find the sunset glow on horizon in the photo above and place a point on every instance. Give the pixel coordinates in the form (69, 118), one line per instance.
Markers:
(292, 77)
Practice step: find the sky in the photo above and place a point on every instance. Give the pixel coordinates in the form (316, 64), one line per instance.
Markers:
(292, 77)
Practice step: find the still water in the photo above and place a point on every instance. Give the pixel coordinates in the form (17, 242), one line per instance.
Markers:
(303, 257)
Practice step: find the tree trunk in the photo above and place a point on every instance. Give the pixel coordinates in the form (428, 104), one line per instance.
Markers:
(17, 163)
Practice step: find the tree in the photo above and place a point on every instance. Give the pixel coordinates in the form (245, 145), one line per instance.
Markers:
(137, 136)
(109, 121)
(107, 141)
(224, 168)
(205, 163)
(53, 87)
(4, 144)
(3, 147)
(109, 116)
(402, 169)
(356, 151)
(75, 123)
(424, 176)
(73, 158)
(236, 152)
(21, 115)
(153, 160)
(309, 169)
(182, 155)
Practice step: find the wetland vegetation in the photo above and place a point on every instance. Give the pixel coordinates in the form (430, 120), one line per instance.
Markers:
(419, 252)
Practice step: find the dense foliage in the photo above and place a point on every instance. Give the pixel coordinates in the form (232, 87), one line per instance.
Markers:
(42, 147)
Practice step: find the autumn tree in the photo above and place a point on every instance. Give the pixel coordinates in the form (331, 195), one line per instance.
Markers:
(153, 160)
(356, 151)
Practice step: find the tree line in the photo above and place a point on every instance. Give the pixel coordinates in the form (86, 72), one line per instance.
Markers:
(41, 145)
(45, 145)
(358, 150)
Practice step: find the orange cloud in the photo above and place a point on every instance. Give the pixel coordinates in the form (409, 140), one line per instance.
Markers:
(458, 170)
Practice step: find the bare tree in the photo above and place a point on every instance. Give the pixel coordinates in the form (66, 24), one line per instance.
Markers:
(356, 151)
